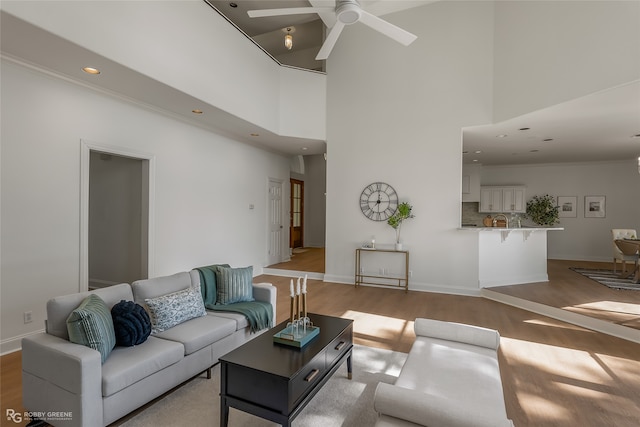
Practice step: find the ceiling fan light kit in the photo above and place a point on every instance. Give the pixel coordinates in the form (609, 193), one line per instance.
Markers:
(347, 12)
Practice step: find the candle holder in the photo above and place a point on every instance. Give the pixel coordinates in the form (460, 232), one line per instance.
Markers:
(300, 329)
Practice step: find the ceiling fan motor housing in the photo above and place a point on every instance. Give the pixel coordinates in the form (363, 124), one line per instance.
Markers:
(348, 11)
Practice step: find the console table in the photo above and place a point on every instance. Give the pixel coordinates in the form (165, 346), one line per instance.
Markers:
(390, 281)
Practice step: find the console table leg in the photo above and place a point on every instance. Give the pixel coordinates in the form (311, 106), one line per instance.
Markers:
(349, 369)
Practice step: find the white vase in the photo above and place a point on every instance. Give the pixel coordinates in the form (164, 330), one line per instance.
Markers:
(398, 246)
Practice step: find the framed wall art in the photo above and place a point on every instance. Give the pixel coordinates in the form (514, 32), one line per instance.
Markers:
(567, 206)
(594, 206)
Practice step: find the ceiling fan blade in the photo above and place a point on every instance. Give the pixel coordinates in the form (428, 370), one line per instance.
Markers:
(330, 41)
(398, 34)
(287, 11)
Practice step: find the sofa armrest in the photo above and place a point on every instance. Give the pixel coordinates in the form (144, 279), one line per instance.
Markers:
(458, 332)
(266, 292)
(431, 410)
(62, 376)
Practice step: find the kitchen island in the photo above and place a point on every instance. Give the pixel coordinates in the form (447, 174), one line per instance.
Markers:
(511, 256)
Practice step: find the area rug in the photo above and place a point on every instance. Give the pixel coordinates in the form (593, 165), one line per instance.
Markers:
(608, 278)
(340, 402)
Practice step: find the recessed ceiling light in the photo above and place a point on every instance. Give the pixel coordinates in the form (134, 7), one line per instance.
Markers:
(304, 148)
(478, 151)
(465, 152)
(234, 5)
(196, 111)
(254, 134)
(502, 135)
(525, 128)
(637, 135)
(475, 160)
(533, 151)
(90, 70)
(548, 139)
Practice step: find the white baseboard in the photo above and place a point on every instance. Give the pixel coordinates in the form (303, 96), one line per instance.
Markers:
(13, 344)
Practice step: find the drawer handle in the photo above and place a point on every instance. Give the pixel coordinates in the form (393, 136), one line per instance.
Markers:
(312, 375)
(340, 345)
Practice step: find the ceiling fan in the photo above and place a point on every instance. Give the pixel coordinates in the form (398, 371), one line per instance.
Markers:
(346, 12)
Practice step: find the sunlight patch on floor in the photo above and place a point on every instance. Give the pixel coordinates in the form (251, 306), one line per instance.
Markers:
(379, 326)
(555, 324)
(565, 363)
(611, 306)
(548, 410)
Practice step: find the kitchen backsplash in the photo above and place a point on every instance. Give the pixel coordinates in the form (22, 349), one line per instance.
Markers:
(470, 214)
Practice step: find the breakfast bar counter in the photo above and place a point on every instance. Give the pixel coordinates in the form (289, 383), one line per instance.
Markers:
(511, 256)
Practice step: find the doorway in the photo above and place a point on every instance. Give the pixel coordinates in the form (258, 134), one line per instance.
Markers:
(296, 223)
(116, 216)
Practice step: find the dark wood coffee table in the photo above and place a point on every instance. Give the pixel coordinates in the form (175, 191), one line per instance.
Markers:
(276, 382)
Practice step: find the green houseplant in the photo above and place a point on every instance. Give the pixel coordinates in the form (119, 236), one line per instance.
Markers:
(395, 221)
(542, 210)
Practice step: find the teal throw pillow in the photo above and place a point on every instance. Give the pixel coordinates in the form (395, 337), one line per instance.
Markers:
(91, 325)
(234, 285)
(169, 310)
(208, 283)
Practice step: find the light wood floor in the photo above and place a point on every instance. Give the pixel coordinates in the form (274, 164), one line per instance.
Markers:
(304, 259)
(553, 373)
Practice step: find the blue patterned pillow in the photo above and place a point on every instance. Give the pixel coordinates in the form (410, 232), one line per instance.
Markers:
(90, 324)
(169, 310)
(234, 285)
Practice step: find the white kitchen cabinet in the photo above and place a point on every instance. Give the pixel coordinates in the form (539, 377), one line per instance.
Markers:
(502, 199)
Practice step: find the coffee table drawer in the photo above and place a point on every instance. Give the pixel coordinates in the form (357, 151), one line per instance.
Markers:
(340, 345)
(306, 379)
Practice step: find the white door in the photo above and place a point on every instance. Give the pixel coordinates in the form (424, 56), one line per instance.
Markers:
(275, 222)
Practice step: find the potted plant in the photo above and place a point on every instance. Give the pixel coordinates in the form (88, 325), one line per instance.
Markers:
(542, 210)
(395, 221)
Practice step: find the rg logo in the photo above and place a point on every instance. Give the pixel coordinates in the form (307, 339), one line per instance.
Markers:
(14, 416)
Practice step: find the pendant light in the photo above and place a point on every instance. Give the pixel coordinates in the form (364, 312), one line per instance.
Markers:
(288, 39)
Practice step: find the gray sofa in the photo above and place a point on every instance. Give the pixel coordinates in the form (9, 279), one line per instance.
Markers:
(450, 378)
(61, 376)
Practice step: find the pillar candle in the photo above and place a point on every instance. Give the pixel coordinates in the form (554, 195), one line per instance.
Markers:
(291, 316)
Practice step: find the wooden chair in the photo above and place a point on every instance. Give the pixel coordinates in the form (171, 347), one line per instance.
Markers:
(630, 253)
(619, 234)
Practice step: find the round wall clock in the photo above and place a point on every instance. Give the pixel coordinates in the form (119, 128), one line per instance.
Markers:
(378, 201)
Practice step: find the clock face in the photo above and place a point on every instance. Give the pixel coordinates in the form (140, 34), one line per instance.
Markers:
(378, 201)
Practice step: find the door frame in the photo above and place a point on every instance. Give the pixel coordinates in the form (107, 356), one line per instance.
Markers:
(148, 205)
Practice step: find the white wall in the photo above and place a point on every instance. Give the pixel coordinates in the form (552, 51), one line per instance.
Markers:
(395, 115)
(583, 238)
(203, 190)
(548, 52)
(201, 55)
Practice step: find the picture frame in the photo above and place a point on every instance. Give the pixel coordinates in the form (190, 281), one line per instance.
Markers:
(594, 206)
(567, 206)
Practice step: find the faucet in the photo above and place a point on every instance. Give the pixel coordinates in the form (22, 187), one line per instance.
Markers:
(495, 220)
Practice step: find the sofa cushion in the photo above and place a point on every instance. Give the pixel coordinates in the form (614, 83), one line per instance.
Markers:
(128, 365)
(234, 285)
(169, 310)
(158, 286)
(131, 323)
(59, 308)
(199, 332)
(91, 325)
(241, 320)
